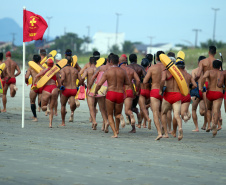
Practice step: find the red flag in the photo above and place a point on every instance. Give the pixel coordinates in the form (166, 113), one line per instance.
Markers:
(34, 26)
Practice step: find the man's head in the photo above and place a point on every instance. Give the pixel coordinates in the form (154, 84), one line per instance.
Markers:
(158, 54)
(96, 54)
(42, 52)
(172, 59)
(1, 56)
(8, 54)
(123, 59)
(145, 62)
(92, 60)
(171, 54)
(180, 64)
(133, 58)
(124, 56)
(109, 56)
(114, 59)
(36, 58)
(201, 58)
(217, 64)
(212, 50)
(68, 52)
(50, 62)
(58, 57)
(149, 57)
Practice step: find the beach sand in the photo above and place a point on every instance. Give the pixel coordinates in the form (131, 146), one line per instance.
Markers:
(76, 154)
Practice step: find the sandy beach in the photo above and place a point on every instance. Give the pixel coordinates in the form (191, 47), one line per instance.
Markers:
(77, 155)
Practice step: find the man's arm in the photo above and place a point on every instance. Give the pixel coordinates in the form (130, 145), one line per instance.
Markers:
(137, 81)
(62, 73)
(220, 81)
(200, 69)
(194, 84)
(163, 80)
(39, 75)
(93, 78)
(100, 83)
(58, 79)
(77, 67)
(18, 71)
(81, 82)
(28, 73)
(83, 69)
(206, 75)
(147, 77)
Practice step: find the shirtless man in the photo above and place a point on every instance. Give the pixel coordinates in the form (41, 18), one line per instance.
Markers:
(154, 75)
(171, 99)
(198, 100)
(50, 90)
(116, 79)
(130, 94)
(69, 75)
(101, 100)
(141, 73)
(10, 81)
(214, 95)
(185, 100)
(33, 93)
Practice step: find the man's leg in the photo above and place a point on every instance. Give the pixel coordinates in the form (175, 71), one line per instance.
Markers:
(53, 98)
(128, 105)
(209, 114)
(73, 106)
(203, 112)
(142, 103)
(169, 120)
(102, 107)
(117, 114)
(12, 90)
(185, 114)
(110, 108)
(216, 114)
(194, 114)
(63, 101)
(155, 104)
(33, 96)
(92, 110)
(166, 106)
(56, 104)
(4, 99)
(177, 111)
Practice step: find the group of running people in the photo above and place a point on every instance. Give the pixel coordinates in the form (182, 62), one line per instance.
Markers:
(147, 85)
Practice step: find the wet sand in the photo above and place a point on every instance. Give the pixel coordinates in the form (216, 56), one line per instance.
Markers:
(76, 154)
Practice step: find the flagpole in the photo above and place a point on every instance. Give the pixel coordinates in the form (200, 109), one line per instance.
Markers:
(23, 81)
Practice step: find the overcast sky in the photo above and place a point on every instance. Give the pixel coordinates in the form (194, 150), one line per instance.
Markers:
(168, 21)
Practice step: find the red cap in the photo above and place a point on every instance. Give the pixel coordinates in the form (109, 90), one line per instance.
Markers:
(124, 55)
(8, 54)
(50, 62)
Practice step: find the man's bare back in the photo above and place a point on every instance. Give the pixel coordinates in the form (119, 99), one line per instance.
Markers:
(69, 75)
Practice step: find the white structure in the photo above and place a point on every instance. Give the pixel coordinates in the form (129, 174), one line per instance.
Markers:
(104, 41)
(162, 47)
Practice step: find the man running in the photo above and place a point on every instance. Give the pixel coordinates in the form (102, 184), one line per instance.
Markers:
(33, 93)
(69, 75)
(214, 95)
(116, 79)
(10, 81)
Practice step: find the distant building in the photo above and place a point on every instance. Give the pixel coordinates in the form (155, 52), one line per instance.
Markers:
(5, 44)
(103, 42)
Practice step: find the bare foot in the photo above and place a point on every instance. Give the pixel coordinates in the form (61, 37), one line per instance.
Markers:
(50, 125)
(102, 128)
(35, 119)
(122, 121)
(114, 136)
(55, 114)
(165, 136)
(149, 124)
(158, 137)
(139, 118)
(208, 129)
(132, 118)
(214, 128)
(169, 131)
(180, 134)
(106, 127)
(77, 103)
(94, 126)
(219, 128)
(46, 113)
(127, 120)
(71, 119)
(138, 125)
(3, 110)
(203, 128)
(144, 125)
(196, 130)
(173, 134)
(15, 88)
(117, 131)
(132, 131)
(63, 125)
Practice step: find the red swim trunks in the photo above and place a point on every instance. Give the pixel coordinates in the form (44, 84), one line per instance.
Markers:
(69, 92)
(206, 84)
(145, 93)
(185, 99)
(200, 95)
(172, 97)
(11, 81)
(224, 94)
(49, 88)
(155, 94)
(214, 95)
(115, 97)
(129, 93)
(38, 91)
(3, 83)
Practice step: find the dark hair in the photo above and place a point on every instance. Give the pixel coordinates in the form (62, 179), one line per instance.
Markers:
(180, 64)
(105, 61)
(96, 54)
(133, 58)
(201, 58)
(36, 58)
(149, 57)
(1, 56)
(159, 53)
(92, 60)
(217, 64)
(68, 52)
(43, 52)
(109, 56)
(212, 50)
(114, 59)
(69, 59)
(171, 54)
(145, 62)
